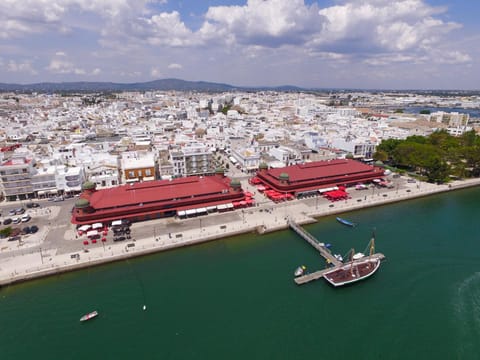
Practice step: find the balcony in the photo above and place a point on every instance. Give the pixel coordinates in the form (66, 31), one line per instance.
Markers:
(73, 183)
(72, 178)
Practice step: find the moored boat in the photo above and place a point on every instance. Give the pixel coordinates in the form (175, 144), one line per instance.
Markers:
(299, 271)
(358, 268)
(345, 222)
(89, 316)
(352, 272)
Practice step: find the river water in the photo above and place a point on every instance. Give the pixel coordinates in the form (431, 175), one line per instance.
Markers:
(235, 298)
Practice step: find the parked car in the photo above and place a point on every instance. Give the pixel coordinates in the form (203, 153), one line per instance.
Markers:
(33, 205)
(15, 232)
(12, 212)
(58, 198)
(26, 218)
(33, 229)
(17, 220)
(7, 221)
(26, 230)
(14, 238)
(19, 211)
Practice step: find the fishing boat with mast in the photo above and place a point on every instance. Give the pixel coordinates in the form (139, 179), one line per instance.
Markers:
(358, 267)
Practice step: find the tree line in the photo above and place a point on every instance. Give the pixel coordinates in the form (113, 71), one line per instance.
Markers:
(437, 158)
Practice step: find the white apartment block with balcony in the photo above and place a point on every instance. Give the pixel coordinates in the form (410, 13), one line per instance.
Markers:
(69, 179)
(286, 155)
(104, 176)
(359, 147)
(44, 181)
(16, 178)
(192, 159)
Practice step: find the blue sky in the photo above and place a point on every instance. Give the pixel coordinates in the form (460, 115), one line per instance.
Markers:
(402, 44)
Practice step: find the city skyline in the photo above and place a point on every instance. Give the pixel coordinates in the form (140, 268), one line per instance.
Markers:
(407, 44)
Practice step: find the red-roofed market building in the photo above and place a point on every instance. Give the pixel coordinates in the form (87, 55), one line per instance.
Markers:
(318, 175)
(155, 199)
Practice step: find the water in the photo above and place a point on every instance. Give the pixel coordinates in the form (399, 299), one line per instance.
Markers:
(474, 113)
(236, 299)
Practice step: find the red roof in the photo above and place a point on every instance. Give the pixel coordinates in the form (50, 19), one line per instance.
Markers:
(158, 191)
(321, 169)
(151, 199)
(302, 177)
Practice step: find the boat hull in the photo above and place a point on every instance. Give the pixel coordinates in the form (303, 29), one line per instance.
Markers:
(352, 272)
(89, 316)
(300, 270)
(345, 222)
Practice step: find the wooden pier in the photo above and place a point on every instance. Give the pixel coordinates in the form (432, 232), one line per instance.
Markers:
(323, 251)
(312, 241)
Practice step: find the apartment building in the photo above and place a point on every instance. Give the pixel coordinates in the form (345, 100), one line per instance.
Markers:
(16, 178)
(192, 159)
(137, 166)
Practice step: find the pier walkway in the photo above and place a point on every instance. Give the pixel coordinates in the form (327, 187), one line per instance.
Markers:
(312, 241)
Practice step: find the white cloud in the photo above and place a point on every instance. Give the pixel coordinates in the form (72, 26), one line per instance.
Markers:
(267, 23)
(377, 25)
(452, 57)
(154, 72)
(168, 29)
(175, 66)
(138, 38)
(60, 66)
(20, 67)
(19, 18)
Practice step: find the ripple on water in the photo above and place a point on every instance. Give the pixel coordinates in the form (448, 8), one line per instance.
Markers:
(467, 316)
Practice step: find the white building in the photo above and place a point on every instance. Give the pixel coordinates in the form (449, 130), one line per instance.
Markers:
(69, 179)
(192, 159)
(16, 178)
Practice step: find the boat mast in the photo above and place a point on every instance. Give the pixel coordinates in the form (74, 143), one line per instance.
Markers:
(372, 244)
(352, 259)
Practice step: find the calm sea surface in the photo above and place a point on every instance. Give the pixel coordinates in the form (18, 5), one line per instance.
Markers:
(235, 298)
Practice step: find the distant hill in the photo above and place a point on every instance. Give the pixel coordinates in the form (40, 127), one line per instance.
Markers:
(163, 84)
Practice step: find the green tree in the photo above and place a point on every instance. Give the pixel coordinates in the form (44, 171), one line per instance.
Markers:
(380, 155)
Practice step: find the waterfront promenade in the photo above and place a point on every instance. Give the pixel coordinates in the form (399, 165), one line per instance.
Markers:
(40, 255)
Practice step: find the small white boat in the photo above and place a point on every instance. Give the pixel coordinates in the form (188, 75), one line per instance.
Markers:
(89, 316)
(358, 256)
(300, 270)
(338, 257)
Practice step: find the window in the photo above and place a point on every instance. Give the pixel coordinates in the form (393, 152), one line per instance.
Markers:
(148, 172)
(131, 174)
